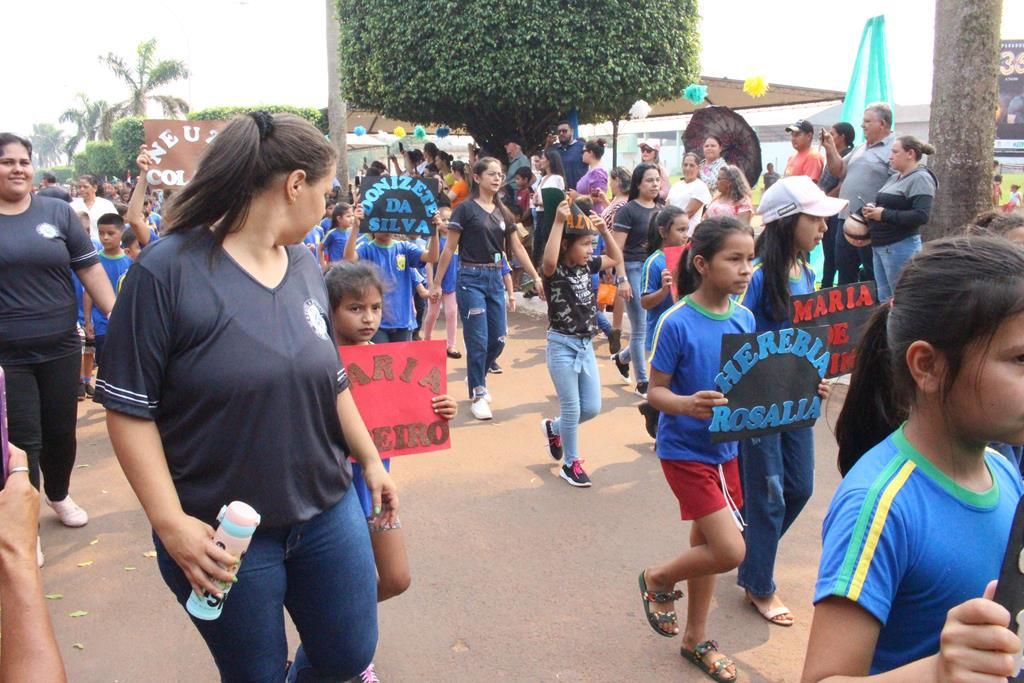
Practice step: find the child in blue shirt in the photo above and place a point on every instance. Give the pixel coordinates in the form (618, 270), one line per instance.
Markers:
(778, 469)
(915, 534)
(397, 261)
(342, 219)
(115, 262)
(703, 476)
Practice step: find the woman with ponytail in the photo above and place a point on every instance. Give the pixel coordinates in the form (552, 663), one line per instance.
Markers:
(594, 183)
(224, 383)
(916, 532)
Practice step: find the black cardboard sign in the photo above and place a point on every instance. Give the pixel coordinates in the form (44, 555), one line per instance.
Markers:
(771, 380)
(398, 204)
(845, 310)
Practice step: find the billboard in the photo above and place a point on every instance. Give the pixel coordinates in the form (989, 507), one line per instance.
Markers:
(1010, 117)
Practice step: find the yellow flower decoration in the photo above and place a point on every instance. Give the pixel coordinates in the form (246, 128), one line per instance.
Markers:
(755, 87)
(400, 132)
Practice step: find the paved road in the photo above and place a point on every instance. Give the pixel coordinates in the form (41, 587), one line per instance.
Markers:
(516, 576)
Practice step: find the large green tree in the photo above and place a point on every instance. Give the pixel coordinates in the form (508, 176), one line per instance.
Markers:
(142, 79)
(47, 143)
(517, 65)
(92, 120)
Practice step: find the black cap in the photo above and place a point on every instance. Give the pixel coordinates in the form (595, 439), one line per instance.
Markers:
(802, 125)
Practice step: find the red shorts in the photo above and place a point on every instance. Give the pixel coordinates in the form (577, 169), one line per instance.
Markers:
(698, 487)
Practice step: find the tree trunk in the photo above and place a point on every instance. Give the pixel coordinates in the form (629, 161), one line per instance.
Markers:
(964, 97)
(337, 113)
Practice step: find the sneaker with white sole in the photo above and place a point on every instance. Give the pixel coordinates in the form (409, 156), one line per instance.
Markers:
(480, 408)
(39, 552)
(623, 368)
(69, 512)
(554, 440)
(574, 474)
(641, 390)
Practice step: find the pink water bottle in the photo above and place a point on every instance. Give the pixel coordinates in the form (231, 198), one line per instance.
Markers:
(238, 523)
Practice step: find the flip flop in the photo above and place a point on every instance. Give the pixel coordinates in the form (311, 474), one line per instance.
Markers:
(655, 619)
(772, 615)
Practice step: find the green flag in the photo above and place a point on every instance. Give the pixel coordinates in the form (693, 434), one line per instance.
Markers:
(870, 80)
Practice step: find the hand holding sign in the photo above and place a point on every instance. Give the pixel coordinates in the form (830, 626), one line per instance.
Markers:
(702, 404)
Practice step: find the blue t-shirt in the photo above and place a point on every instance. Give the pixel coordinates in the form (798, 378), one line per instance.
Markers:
(334, 243)
(313, 239)
(80, 290)
(325, 225)
(448, 281)
(907, 543)
(155, 223)
(595, 279)
(115, 267)
(688, 346)
(650, 282)
(397, 263)
(754, 297)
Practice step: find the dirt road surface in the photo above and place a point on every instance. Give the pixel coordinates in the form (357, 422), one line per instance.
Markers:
(516, 575)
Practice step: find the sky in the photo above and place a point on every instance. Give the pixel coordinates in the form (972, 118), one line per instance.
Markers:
(247, 52)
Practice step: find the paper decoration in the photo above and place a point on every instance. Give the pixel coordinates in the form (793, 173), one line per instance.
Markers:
(639, 110)
(419, 132)
(755, 87)
(696, 93)
(359, 130)
(399, 131)
(443, 132)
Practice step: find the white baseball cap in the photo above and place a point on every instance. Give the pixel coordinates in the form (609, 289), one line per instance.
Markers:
(797, 194)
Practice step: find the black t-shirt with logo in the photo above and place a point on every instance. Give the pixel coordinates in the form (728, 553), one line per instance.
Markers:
(241, 380)
(38, 308)
(570, 292)
(483, 234)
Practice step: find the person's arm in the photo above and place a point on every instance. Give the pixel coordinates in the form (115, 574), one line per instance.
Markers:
(613, 256)
(836, 164)
(975, 645)
(510, 291)
(519, 252)
(549, 262)
(433, 249)
(450, 246)
(653, 299)
(623, 287)
(188, 540)
(663, 399)
(744, 217)
(917, 215)
(96, 284)
(692, 207)
(29, 649)
(87, 316)
(382, 488)
(350, 245)
(135, 216)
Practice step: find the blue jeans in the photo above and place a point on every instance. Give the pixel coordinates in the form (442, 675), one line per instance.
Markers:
(889, 261)
(385, 335)
(637, 321)
(777, 471)
(480, 293)
(322, 571)
(573, 369)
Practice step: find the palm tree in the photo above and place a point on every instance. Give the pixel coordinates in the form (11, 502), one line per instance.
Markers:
(93, 120)
(47, 143)
(148, 75)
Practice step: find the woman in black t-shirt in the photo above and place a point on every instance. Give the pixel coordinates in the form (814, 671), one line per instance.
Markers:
(483, 232)
(224, 383)
(630, 231)
(41, 242)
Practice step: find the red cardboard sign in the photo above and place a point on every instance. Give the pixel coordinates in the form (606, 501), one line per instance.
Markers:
(672, 256)
(392, 385)
(845, 309)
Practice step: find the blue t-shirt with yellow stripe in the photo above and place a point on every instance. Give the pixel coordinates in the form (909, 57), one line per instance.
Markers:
(688, 346)
(907, 543)
(650, 282)
(754, 298)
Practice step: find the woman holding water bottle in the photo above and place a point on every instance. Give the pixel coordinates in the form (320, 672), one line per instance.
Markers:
(225, 385)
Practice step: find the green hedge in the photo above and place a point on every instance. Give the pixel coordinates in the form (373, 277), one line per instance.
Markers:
(99, 160)
(62, 173)
(314, 116)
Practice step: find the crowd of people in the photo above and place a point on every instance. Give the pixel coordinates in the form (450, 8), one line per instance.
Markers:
(164, 295)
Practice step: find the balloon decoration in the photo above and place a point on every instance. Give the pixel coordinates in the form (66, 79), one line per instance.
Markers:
(696, 93)
(639, 110)
(443, 132)
(399, 131)
(755, 87)
(359, 130)
(419, 132)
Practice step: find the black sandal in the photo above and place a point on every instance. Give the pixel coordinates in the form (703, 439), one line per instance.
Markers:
(716, 669)
(655, 619)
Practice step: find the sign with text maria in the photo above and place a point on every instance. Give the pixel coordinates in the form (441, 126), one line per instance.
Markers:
(392, 385)
(399, 205)
(845, 310)
(771, 380)
(175, 147)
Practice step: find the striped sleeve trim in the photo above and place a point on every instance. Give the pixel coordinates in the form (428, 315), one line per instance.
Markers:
(83, 257)
(125, 395)
(874, 513)
(661, 321)
(647, 271)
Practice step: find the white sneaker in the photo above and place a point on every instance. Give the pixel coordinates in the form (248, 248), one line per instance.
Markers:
(39, 552)
(69, 512)
(487, 395)
(480, 409)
